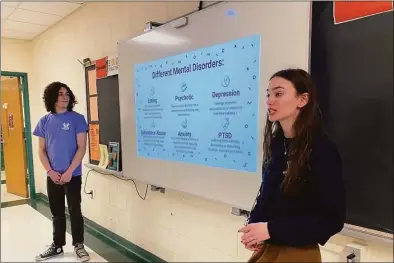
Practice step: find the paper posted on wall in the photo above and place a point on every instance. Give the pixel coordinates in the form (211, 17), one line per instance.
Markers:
(94, 138)
(113, 156)
(103, 156)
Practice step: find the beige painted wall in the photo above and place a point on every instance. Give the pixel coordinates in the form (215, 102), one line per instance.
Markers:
(16, 55)
(174, 226)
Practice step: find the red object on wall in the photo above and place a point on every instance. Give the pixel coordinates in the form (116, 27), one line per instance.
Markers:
(345, 11)
(101, 68)
(11, 121)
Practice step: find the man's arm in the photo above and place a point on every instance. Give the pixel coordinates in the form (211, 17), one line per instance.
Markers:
(42, 153)
(81, 144)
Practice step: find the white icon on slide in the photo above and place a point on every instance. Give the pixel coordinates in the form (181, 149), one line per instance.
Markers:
(183, 87)
(226, 81)
(226, 123)
(152, 91)
(184, 124)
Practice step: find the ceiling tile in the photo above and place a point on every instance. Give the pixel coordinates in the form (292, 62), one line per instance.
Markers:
(22, 26)
(34, 17)
(17, 34)
(6, 11)
(11, 4)
(56, 8)
(26, 20)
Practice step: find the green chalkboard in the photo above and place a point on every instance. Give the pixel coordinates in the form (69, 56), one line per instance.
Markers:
(352, 64)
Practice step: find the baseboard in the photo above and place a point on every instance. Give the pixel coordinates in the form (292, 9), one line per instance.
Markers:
(15, 203)
(115, 240)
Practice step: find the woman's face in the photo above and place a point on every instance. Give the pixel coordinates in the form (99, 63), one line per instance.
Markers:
(283, 102)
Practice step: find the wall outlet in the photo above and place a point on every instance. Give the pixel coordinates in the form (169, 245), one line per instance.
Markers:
(353, 252)
(236, 211)
(157, 188)
(239, 212)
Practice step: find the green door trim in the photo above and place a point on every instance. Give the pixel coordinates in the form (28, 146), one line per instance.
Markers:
(26, 109)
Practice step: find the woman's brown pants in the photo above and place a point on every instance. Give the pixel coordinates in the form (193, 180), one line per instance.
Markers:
(277, 253)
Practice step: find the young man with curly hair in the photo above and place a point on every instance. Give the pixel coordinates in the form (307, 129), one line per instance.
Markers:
(62, 136)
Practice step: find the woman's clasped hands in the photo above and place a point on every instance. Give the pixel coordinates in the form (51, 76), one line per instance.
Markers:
(254, 235)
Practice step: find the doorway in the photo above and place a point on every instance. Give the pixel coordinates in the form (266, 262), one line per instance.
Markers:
(16, 156)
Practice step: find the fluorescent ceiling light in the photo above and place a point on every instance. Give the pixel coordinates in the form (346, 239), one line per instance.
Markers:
(160, 38)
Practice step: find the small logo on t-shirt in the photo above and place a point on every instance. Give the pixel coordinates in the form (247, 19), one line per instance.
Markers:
(66, 126)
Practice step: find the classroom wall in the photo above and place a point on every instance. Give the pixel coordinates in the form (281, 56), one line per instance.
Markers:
(92, 31)
(174, 226)
(16, 55)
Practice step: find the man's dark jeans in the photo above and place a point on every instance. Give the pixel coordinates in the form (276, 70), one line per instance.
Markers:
(56, 193)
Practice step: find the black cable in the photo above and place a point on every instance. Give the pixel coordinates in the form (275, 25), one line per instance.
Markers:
(253, 206)
(200, 5)
(86, 181)
(121, 178)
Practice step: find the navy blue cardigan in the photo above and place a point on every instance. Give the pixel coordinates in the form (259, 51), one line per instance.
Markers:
(317, 212)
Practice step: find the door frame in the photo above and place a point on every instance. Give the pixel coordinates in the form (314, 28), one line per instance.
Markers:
(26, 109)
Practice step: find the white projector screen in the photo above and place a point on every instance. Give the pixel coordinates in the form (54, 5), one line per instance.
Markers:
(192, 98)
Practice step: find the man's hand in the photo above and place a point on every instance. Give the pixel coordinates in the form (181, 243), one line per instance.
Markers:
(55, 176)
(254, 235)
(66, 177)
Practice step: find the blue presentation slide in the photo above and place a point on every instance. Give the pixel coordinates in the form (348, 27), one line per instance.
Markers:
(201, 107)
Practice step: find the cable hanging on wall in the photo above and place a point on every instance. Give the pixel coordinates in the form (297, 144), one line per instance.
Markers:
(121, 178)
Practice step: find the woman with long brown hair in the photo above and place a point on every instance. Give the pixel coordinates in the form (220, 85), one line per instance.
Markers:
(301, 202)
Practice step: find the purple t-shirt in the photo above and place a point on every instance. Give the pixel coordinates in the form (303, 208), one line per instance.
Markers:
(60, 132)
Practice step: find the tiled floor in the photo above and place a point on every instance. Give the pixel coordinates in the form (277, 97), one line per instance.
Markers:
(7, 197)
(26, 224)
(26, 231)
(22, 227)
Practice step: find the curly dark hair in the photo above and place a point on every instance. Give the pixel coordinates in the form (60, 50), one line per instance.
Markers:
(51, 94)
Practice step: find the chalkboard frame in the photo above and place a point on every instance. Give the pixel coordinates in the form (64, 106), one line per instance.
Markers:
(107, 101)
(344, 71)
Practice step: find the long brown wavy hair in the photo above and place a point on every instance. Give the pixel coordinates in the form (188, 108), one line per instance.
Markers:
(306, 127)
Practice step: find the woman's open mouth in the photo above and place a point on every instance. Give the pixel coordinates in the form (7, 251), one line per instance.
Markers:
(271, 111)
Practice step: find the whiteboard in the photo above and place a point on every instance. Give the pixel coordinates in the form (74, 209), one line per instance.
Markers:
(284, 30)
